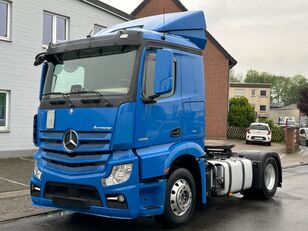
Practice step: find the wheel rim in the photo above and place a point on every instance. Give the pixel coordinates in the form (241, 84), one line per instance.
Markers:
(180, 197)
(270, 177)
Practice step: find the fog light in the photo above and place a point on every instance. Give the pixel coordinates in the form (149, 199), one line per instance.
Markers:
(121, 198)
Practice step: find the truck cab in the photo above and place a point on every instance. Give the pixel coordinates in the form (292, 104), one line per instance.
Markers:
(121, 124)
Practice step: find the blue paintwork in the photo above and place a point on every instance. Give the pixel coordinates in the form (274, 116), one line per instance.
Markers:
(134, 132)
(189, 24)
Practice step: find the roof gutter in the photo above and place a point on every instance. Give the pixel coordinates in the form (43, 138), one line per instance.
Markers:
(109, 11)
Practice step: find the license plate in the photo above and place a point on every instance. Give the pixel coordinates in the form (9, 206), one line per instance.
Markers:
(258, 138)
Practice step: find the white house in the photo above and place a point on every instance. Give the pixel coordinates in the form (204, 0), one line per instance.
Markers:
(26, 27)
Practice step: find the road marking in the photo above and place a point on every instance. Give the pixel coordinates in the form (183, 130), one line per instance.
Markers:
(12, 181)
(22, 158)
(14, 194)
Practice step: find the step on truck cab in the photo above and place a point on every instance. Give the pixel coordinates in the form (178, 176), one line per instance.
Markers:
(121, 124)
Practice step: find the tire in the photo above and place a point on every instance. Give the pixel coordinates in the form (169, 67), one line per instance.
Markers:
(269, 143)
(179, 184)
(269, 178)
(306, 142)
(247, 142)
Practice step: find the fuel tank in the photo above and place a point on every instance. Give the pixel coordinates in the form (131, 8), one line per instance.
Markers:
(230, 175)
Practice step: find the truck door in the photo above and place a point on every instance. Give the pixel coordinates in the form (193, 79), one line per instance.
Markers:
(158, 122)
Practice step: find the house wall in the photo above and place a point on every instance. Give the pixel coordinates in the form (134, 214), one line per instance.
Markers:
(216, 75)
(17, 73)
(255, 100)
(285, 112)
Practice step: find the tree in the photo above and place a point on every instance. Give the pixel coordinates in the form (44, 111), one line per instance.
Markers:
(235, 78)
(291, 93)
(303, 100)
(241, 113)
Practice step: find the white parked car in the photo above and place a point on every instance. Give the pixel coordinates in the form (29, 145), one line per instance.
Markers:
(259, 133)
(303, 136)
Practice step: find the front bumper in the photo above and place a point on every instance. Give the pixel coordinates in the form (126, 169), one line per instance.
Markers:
(258, 138)
(141, 199)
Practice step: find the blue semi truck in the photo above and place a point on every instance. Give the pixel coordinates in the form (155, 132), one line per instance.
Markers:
(121, 125)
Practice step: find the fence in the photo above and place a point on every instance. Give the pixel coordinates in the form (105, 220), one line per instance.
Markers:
(278, 133)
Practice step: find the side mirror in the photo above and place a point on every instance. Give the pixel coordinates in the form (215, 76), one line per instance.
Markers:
(163, 82)
(39, 59)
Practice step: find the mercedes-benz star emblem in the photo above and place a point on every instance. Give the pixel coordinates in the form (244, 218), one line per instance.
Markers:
(70, 140)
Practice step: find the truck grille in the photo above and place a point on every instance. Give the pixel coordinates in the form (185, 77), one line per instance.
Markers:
(90, 156)
(81, 163)
(88, 141)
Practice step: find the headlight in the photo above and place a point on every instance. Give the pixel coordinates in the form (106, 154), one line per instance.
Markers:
(36, 172)
(119, 174)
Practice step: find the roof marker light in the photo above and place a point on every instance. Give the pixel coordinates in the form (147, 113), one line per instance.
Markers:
(123, 36)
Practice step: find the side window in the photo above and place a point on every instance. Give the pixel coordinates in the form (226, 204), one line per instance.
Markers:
(149, 75)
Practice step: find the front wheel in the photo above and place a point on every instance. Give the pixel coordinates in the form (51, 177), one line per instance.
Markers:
(180, 199)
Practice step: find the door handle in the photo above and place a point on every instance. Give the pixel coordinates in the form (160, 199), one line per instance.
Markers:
(175, 132)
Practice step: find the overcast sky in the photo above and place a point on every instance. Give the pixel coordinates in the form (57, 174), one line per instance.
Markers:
(266, 35)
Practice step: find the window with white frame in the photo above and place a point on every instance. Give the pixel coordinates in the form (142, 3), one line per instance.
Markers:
(263, 93)
(262, 108)
(5, 20)
(4, 110)
(55, 28)
(253, 92)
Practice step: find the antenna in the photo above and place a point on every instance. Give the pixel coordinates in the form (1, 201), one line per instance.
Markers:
(164, 21)
(89, 35)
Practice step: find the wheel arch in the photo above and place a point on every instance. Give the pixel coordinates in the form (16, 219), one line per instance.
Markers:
(188, 158)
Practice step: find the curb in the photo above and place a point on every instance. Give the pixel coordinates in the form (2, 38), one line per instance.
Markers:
(295, 165)
(45, 214)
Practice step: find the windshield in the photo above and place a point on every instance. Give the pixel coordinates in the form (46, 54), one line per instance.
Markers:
(258, 127)
(91, 71)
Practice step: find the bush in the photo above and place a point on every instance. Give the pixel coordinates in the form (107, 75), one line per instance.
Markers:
(268, 121)
(241, 113)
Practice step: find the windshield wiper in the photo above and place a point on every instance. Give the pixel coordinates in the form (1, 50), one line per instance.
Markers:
(64, 95)
(101, 96)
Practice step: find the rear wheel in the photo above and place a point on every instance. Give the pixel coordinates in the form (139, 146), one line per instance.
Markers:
(269, 178)
(180, 199)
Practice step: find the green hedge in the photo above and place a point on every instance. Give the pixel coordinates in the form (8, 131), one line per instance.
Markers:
(278, 133)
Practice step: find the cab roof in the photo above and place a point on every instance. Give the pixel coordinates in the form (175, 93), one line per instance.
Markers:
(189, 25)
